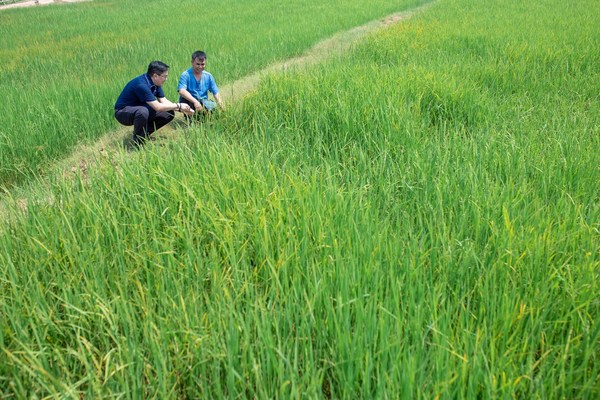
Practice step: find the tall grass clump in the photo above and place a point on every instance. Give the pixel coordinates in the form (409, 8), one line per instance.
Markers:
(64, 66)
(416, 219)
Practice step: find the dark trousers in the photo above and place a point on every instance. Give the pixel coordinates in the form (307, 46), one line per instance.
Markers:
(145, 120)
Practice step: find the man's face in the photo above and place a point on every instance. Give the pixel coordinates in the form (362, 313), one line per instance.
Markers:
(159, 80)
(198, 65)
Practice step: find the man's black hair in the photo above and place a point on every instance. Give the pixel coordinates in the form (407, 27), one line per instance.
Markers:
(199, 54)
(157, 67)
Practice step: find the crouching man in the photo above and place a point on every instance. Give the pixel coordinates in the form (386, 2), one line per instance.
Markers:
(195, 84)
(142, 103)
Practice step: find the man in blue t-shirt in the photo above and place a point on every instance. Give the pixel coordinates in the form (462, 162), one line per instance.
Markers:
(195, 83)
(142, 103)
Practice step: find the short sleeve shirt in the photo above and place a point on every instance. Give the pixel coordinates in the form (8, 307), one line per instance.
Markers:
(198, 88)
(138, 92)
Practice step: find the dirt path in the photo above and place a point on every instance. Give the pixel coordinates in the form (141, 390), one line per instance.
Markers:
(37, 3)
(336, 44)
(109, 146)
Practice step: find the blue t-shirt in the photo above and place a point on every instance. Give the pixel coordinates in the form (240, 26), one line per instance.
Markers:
(138, 92)
(198, 89)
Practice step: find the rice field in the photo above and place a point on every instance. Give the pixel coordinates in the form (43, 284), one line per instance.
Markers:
(416, 218)
(61, 65)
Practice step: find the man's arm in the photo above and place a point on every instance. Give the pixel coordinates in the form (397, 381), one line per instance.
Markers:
(188, 96)
(219, 101)
(183, 92)
(163, 104)
(215, 92)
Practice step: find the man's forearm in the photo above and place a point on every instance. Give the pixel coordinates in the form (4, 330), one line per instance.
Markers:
(164, 104)
(188, 96)
(219, 100)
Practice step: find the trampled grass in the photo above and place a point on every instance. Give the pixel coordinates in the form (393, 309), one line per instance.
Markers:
(63, 67)
(418, 218)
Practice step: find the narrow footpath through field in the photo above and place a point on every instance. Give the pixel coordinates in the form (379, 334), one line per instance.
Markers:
(85, 157)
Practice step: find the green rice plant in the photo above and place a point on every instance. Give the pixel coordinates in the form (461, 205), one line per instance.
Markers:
(393, 223)
(63, 67)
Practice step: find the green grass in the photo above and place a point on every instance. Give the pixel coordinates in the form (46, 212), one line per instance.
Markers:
(64, 66)
(417, 218)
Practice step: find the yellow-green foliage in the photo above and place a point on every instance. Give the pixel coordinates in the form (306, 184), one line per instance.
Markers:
(416, 219)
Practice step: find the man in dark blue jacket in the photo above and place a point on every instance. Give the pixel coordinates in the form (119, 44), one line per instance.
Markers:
(142, 103)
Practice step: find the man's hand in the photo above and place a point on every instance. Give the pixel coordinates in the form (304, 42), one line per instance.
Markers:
(186, 109)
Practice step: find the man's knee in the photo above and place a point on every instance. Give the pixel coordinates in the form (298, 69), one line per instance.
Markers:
(142, 112)
(166, 116)
(141, 116)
